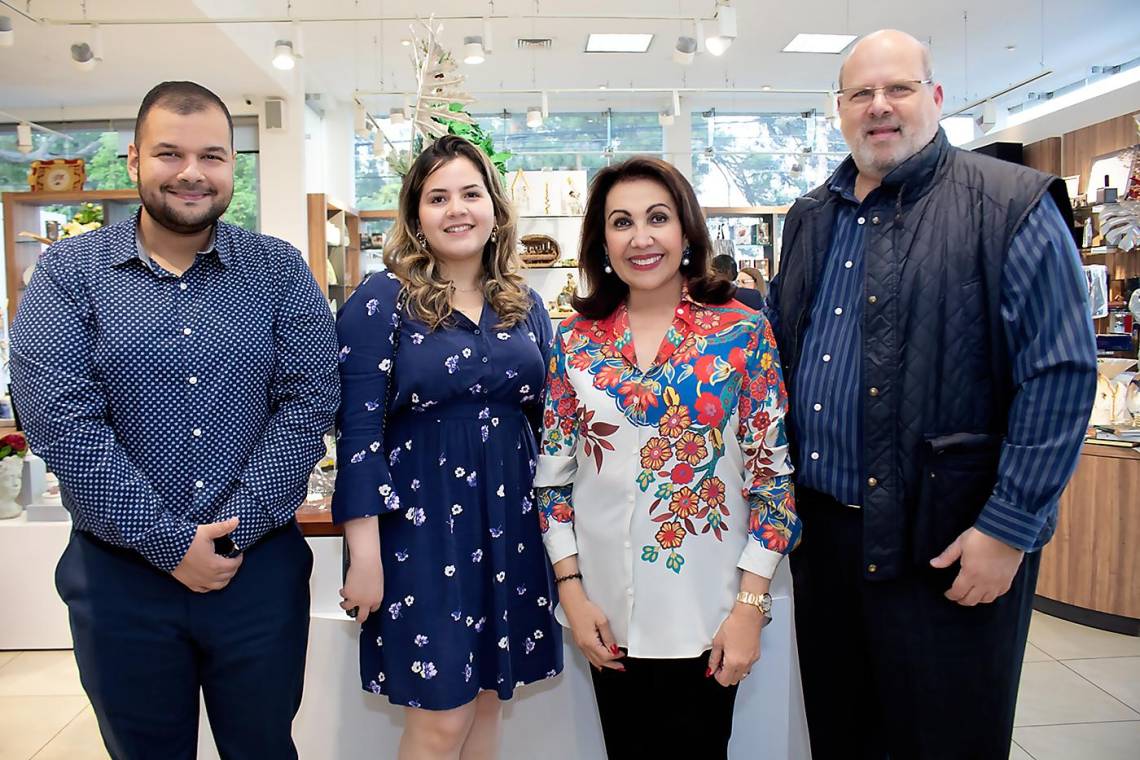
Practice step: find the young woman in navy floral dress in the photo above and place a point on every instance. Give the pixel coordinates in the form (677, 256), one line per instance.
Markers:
(448, 572)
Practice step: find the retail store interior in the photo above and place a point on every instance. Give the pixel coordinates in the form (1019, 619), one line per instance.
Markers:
(739, 95)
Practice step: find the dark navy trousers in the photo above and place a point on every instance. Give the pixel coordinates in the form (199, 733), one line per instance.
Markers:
(147, 647)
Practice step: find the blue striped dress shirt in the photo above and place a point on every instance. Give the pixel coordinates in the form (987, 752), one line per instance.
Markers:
(1052, 347)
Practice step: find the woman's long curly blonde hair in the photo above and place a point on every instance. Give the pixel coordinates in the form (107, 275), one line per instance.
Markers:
(428, 294)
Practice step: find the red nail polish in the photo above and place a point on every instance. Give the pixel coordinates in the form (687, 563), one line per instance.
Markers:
(614, 649)
(708, 672)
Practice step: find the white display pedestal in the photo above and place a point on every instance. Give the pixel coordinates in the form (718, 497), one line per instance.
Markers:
(554, 720)
(34, 615)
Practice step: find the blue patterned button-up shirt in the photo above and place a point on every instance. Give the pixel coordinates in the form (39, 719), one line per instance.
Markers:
(1050, 340)
(165, 402)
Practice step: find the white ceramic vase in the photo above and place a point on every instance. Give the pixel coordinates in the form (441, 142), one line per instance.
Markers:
(11, 478)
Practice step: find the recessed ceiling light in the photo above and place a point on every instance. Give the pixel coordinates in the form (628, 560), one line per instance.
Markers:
(406, 42)
(1011, 47)
(767, 88)
(618, 43)
(819, 43)
(603, 87)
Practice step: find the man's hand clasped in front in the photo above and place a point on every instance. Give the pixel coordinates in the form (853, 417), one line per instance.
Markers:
(988, 567)
(201, 569)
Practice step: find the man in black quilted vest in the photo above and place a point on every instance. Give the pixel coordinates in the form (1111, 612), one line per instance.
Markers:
(932, 322)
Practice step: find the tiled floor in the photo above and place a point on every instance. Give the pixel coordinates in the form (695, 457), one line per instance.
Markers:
(1080, 700)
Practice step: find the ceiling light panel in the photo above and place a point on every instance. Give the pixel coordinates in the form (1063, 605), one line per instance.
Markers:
(819, 43)
(618, 43)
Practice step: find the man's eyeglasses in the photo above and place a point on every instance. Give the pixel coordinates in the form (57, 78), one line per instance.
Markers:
(895, 91)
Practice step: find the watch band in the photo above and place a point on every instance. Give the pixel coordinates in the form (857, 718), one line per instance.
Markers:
(762, 602)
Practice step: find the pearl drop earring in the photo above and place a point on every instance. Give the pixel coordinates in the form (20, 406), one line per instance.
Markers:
(607, 268)
(685, 256)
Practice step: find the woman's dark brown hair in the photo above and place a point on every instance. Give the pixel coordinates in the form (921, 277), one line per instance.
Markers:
(604, 292)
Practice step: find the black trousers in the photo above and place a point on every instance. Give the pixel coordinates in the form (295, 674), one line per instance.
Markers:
(664, 709)
(893, 669)
(147, 646)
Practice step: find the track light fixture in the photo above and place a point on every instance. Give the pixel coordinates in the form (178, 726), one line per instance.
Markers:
(719, 43)
(7, 34)
(283, 56)
(24, 137)
(685, 50)
(473, 52)
(534, 118)
(396, 116)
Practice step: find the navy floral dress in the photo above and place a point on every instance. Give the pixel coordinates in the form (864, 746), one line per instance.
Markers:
(468, 592)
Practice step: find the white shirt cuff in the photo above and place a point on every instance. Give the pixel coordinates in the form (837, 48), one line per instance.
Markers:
(759, 559)
(554, 471)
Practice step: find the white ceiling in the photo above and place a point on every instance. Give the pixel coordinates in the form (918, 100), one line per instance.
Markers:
(356, 52)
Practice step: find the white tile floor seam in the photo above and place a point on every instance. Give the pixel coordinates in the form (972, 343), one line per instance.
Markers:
(1065, 663)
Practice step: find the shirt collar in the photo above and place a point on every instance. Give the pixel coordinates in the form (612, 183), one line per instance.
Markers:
(213, 245)
(842, 182)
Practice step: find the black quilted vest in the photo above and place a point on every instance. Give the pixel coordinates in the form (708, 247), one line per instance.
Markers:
(935, 374)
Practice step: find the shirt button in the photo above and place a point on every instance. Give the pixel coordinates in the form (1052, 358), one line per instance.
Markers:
(818, 407)
(872, 299)
(838, 310)
(629, 591)
(848, 264)
(872, 568)
(196, 432)
(485, 360)
(477, 331)
(630, 498)
(187, 331)
(182, 286)
(827, 357)
(628, 544)
(680, 311)
(193, 380)
(861, 220)
(198, 484)
(874, 220)
(874, 392)
(815, 455)
(872, 482)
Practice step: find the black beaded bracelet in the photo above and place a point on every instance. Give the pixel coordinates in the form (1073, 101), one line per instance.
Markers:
(569, 577)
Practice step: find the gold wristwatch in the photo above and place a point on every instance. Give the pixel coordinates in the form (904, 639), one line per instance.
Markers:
(762, 602)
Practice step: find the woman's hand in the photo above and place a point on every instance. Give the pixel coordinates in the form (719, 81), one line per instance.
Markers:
(363, 587)
(590, 628)
(364, 581)
(736, 646)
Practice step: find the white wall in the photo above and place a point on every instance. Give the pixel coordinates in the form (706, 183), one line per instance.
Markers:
(282, 171)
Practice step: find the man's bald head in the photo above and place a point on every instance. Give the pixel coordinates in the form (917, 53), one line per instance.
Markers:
(892, 41)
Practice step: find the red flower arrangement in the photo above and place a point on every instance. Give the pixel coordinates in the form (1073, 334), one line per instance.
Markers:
(13, 445)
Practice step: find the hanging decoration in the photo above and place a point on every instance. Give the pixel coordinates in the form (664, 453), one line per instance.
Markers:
(441, 102)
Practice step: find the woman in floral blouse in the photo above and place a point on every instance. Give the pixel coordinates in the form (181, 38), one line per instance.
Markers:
(664, 481)
(442, 364)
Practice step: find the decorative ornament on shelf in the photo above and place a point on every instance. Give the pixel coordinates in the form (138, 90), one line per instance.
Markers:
(60, 175)
(13, 447)
(1120, 224)
(441, 104)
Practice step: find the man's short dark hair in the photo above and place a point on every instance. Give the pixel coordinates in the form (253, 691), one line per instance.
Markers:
(724, 265)
(182, 98)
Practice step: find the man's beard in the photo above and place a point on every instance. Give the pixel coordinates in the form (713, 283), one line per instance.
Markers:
(186, 222)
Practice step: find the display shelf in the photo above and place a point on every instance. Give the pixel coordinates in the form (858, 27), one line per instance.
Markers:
(334, 247)
(24, 212)
(760, 251)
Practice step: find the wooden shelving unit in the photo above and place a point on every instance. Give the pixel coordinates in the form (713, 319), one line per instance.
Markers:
(23, 212)
(334, 247)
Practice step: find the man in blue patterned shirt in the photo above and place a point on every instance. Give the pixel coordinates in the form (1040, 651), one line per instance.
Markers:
(932, 323)
(177, 374)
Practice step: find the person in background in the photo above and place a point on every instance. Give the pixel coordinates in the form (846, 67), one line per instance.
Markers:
(442, 367)
(664, 482)
(724, 265)
(750, 278)
(932, 319)
(177, 374)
